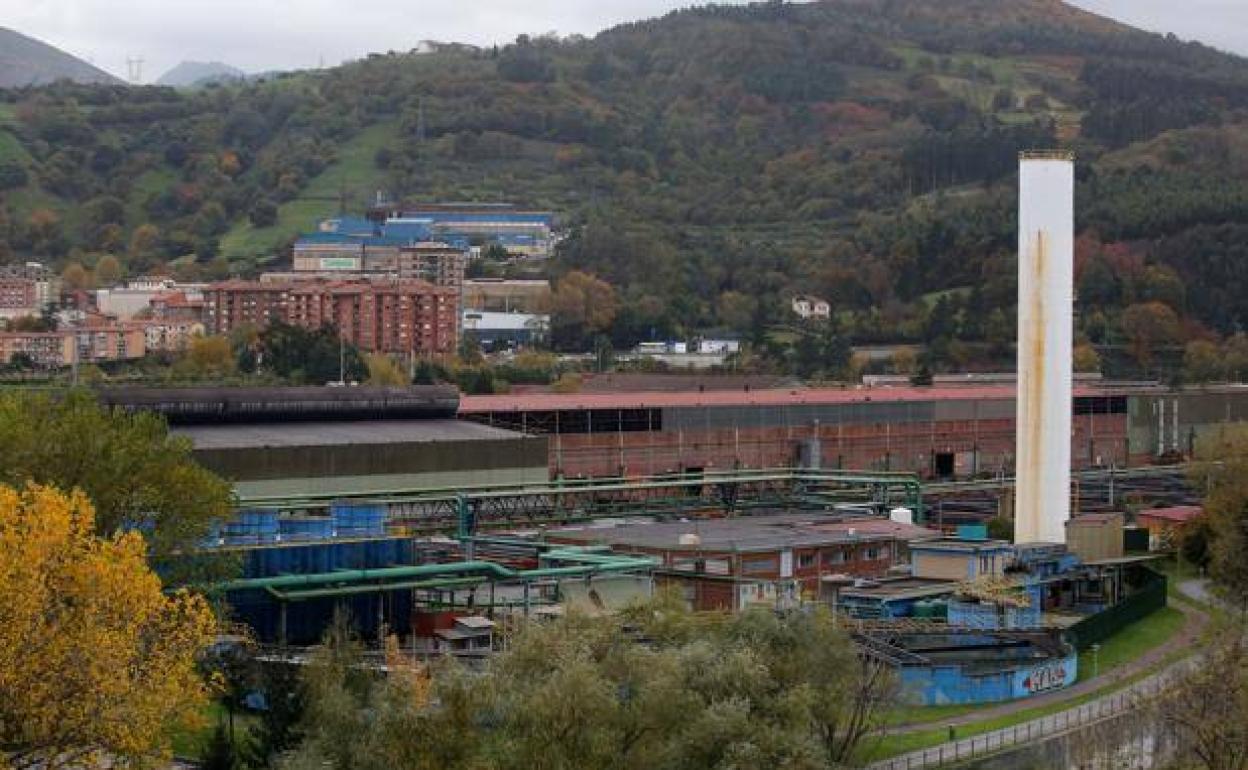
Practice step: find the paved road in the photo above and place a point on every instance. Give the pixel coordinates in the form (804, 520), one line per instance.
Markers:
(1060, 722)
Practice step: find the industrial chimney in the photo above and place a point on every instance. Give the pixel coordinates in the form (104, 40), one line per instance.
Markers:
(1046, 225)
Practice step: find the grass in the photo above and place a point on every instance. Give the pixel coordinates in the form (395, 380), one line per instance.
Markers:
(353, 170)
(190, 744)
(1132, 642)
(1127, 645)
(11, 148)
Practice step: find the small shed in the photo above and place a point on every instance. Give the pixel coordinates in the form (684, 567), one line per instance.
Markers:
(1095, 536)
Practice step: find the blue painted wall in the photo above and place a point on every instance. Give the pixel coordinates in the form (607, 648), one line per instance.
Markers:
(952, 684)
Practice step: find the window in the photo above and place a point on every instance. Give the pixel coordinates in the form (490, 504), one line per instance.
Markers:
(759, 566)
(833, 557)
(873, 554)
(806, 560)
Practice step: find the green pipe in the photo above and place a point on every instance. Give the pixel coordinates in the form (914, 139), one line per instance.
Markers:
(320, 593)
(497, 571)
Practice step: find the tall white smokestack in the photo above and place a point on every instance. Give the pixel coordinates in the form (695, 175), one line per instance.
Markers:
(1046, 235)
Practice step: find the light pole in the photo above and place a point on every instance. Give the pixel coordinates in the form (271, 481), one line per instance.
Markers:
(1096, 660)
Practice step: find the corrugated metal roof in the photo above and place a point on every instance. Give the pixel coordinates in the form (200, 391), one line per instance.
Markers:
(1178, 513)
(534, 402)
(767, 532)
(299, 434)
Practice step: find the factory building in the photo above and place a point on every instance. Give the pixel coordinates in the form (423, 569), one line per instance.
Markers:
(940, 433)
(318, 443)
(774, 560)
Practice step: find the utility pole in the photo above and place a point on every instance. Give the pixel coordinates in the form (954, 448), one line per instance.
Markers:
(342, 361)
(134, 69)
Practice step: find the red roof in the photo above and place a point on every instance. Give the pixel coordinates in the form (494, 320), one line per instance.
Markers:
(538, 402)
(1178, 514)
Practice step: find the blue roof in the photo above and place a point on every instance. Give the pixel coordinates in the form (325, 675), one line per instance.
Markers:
(537, 218)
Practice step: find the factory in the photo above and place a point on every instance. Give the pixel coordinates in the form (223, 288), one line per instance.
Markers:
(941, 433)
(772, 497)
(321, 443)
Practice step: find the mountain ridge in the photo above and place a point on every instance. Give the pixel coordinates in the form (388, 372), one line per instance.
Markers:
(192, 73)
(27, 61)
(711, 161)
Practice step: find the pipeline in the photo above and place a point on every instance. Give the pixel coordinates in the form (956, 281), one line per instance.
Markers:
(586, 564)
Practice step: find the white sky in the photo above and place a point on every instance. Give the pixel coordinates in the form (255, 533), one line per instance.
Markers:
(257, 35)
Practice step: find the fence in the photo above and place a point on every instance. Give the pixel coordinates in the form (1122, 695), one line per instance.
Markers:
(1102, 625)
(997, 741)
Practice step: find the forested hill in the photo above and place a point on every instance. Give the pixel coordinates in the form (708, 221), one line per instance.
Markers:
(712, 161)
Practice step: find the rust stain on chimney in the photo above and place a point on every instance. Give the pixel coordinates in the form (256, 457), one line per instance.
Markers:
(1037, 364)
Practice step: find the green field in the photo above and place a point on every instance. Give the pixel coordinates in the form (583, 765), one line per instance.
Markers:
(10, 148)
(352, 171)
(1132, 642)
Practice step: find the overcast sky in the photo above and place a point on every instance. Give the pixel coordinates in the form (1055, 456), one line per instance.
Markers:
(260, 35)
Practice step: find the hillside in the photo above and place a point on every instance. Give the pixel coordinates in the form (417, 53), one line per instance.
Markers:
(711, 162)
(194, 73)
(25, 61)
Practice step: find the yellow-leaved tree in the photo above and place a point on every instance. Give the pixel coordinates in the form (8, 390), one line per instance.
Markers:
(96, 662)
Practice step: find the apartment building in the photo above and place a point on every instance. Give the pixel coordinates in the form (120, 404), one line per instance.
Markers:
(405, 317)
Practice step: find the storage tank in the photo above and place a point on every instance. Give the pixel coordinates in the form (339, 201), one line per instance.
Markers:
(901, 515)
(1046, 226)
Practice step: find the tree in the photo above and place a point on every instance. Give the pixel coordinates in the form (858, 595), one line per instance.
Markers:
(220, 753)
(1086, 359)
(263, 213)
(107, 270)
(113, 669)
(135, 473)
(382, 371)
(208, 357)
(1222, 469)
(1149, 326)
(1208, 707)
(582, 305)
(310, 357)
(1202, 362)
(754, 690)
(12, 175)
(277, 731)
(144, 241)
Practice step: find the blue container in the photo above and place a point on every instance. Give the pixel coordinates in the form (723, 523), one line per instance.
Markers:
(972, 532)
(358, 520)
(306, 528)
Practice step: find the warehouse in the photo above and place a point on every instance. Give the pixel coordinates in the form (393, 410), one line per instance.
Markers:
(318, 443)
(940, 433)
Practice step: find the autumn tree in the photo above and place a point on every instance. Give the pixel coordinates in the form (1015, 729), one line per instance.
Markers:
(144, 242)
(107, 270)
(135, 473)
(75, 276)
(1086, 359)
(382, 371)
(1202, 362)
(1221, 467)
(1147, 327)
(582, 306)
(97, 663)
(208, 357)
